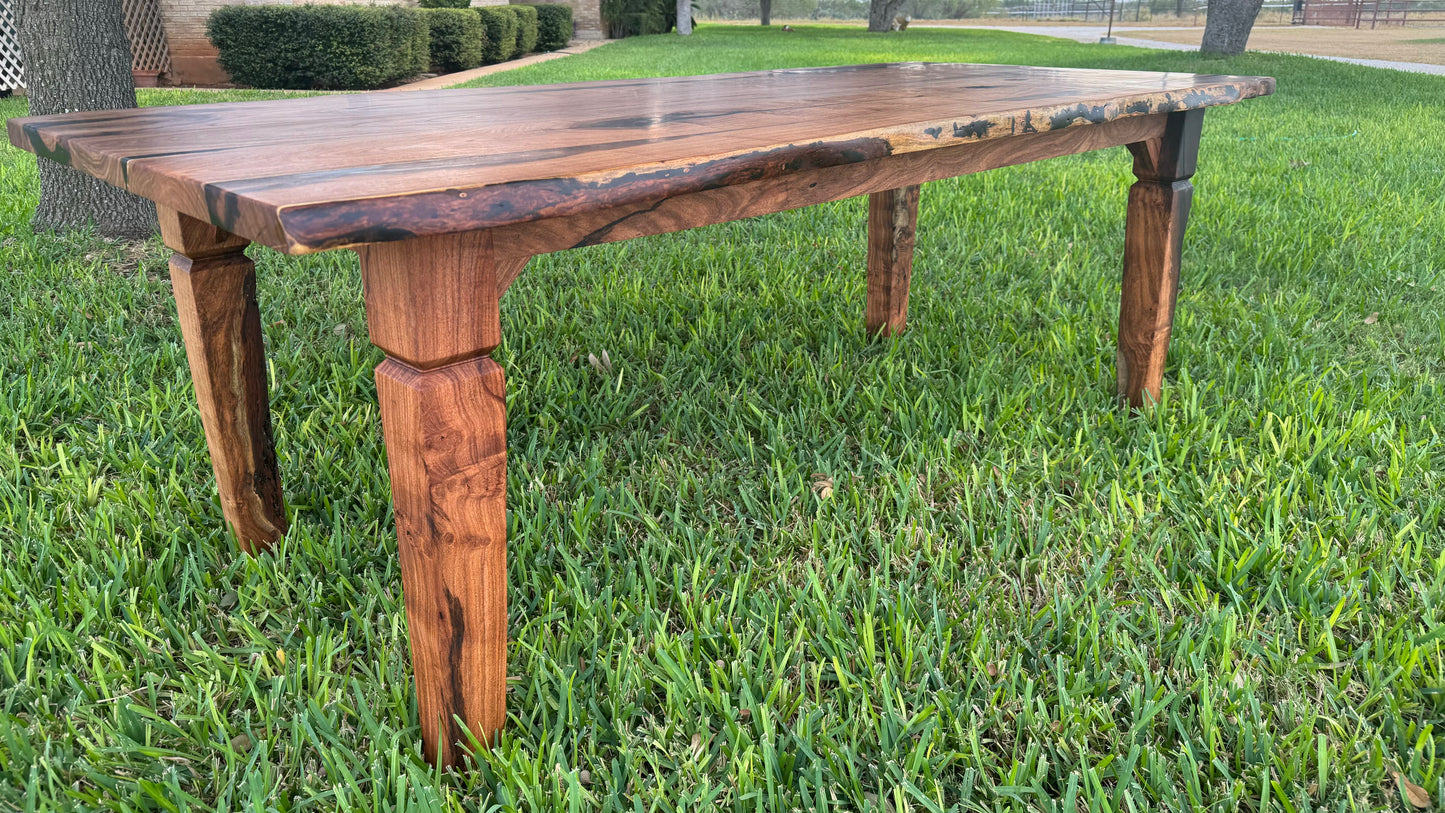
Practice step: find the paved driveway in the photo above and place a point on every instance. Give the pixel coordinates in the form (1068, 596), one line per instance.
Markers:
(1126, 36)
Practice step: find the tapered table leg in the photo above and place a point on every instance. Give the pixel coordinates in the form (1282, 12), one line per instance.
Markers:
(892, 223)
(215, 289)
(1153, 241)
(432, 305)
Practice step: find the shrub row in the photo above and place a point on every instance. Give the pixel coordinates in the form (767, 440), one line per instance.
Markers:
(521, 29)
(501, 24)
(361, 47)
(458, 40)
(628, 18)
(554, 26)
(526, 28)
(306, 47)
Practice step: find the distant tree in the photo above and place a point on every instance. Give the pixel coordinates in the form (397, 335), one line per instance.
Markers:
(1227, 24)
(766, 12)
(77, 58)
(882, 12)
(684, 17)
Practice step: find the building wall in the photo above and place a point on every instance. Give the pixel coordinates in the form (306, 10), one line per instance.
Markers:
(586, 18)
(193, 58)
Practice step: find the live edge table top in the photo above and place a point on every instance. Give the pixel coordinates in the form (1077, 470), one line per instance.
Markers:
(323, 172)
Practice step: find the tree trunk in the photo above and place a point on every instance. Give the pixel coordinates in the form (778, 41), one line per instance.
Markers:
(684, 17)
(1227, 25)
(882, 12)
(77, 58)
(767, 11)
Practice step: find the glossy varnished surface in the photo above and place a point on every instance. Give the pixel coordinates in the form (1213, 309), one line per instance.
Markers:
(308, 174)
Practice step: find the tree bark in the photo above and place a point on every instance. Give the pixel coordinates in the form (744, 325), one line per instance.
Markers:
(77, 58)
(1227, 25)
(882, 12)
(766, 11)
(684, 17)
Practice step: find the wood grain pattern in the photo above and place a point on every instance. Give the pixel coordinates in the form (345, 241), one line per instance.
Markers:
(810, 187)
(446, 442)
(454, 316)
(432, 302)
(284, 172)
(215, 289)
(892, 224)
(1153, 244)
(194, 238)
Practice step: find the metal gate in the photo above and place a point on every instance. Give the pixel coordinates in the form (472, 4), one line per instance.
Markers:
(1402, 13)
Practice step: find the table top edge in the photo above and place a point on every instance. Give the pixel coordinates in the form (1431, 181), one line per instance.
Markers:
(301, 228)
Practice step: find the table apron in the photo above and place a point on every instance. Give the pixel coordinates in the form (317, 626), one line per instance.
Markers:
(810, 187)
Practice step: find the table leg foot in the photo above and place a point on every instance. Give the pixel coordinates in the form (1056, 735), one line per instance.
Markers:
(1153, 241)
(892, 223)
(215, 289)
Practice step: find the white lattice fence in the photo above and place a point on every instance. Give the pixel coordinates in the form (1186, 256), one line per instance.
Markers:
(147, 36)
(12, 69)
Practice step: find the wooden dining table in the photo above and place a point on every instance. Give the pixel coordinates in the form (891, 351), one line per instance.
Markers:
(445, 195)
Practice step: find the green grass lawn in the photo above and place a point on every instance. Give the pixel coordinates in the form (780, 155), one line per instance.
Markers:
(1015, 597)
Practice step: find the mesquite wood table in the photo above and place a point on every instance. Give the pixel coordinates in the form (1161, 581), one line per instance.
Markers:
(446, 194)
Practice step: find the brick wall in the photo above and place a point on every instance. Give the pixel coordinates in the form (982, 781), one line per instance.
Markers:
(586, 18)
(193, 58)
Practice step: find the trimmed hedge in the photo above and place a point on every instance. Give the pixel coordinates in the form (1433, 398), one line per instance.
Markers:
(554, 26)
(458, 40)
(445, 3)
(628, 18)
(319, 47)
(501, 26)
(526, 28)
